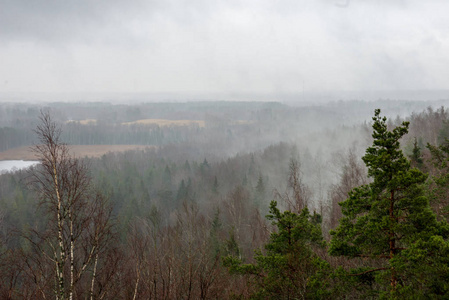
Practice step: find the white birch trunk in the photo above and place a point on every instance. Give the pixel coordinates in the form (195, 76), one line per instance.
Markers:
(93, 278)
(72, 258)
(61, 259)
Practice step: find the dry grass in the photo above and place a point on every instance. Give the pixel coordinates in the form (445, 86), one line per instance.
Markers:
(242, 122)
(25, 153)
(84, 122)
(165, 122)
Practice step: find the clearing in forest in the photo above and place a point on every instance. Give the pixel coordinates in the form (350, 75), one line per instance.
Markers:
(165, 122)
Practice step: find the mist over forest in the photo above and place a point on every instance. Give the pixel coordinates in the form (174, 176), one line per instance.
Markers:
(183, 192)
(220, 131)
(265, 149)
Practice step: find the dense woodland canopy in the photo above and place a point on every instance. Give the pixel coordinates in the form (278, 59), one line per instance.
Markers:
(259, 200)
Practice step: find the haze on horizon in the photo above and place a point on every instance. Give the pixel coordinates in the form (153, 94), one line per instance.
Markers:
(223, 48)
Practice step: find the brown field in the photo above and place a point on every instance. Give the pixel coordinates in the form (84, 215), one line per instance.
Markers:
(242, 122)
(165, 122)
(84, 122)
(24, 153)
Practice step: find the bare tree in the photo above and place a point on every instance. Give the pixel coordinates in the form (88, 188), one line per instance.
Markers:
(352, 174)
(300, 193)
(77, 230)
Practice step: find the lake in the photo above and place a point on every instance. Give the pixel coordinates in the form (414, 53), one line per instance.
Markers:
(12, 165)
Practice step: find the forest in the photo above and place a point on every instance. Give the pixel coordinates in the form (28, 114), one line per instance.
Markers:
(227, 200)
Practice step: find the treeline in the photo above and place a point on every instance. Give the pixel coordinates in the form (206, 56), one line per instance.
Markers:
(229, 127)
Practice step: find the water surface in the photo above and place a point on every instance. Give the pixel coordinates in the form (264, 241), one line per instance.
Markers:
(13, 165)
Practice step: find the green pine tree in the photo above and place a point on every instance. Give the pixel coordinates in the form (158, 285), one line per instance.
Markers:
(182, 192)
(389, 222)
(416, 157)
(259, 193)
(215, 186)
(215, 229)
(289, 269)
(439, 192)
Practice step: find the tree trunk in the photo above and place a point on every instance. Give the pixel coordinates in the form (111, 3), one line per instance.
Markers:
(61, 259)
(392, 241)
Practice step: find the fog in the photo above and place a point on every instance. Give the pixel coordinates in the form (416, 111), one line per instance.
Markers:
(182, 141)
(292, 51)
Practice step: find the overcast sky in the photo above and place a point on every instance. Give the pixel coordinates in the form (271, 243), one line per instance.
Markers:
(233, 46)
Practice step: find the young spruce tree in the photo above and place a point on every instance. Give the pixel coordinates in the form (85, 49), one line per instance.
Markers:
(390, 225)
(288, 268)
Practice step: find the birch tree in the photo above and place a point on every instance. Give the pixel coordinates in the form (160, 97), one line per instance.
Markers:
(77, 226)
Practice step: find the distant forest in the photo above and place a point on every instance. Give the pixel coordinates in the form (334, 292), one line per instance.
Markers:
(231, 200)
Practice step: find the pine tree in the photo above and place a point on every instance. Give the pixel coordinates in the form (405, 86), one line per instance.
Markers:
(215, 186)
(182, 192)
(289, 269)
(389, 221)
(259, 193)
(440, 181)
(416, 157)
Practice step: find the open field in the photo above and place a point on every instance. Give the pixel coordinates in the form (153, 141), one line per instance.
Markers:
(24, 153)
(165, 122)
(84, 122)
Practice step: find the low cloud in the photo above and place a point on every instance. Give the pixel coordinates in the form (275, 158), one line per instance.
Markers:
(262, 47)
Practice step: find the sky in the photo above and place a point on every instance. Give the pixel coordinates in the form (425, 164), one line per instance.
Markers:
(258, 47)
